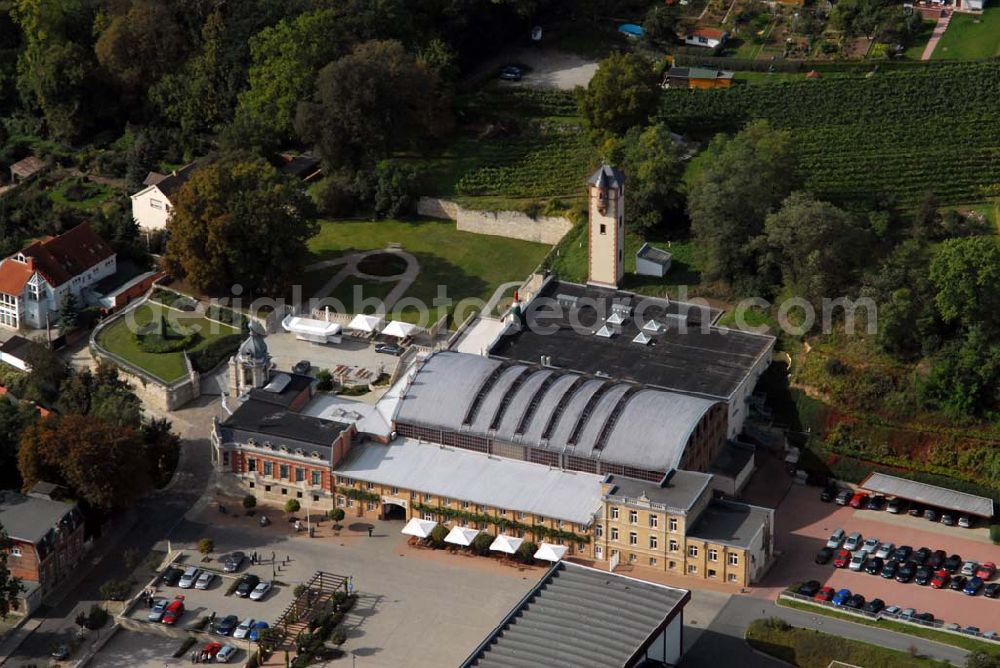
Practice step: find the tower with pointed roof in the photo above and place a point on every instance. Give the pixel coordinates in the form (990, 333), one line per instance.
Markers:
(606, 252)
(249, 367)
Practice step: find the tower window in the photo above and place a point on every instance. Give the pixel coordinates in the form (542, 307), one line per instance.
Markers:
(604, 228)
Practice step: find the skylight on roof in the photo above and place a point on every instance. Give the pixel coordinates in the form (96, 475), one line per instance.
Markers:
(616, 318)
(642, 338)
(605, 332)
(653, 326)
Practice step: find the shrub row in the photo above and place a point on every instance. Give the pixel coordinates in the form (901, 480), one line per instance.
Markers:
(215, 353)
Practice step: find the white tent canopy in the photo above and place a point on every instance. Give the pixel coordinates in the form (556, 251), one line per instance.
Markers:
(550, 552)
(506, 544)
(366, 323)
(461, 536)
(419, 528)
(400, 330)
(309, 329)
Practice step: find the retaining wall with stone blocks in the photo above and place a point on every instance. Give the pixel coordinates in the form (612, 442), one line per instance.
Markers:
(510, 224)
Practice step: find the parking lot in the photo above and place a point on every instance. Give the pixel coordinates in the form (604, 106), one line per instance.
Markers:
(143, 650)
(804, 523)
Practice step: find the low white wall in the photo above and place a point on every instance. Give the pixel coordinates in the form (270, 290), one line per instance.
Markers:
(510, 224)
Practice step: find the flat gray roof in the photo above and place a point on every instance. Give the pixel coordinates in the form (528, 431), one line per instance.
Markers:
(30, 519)
(680, 492)
(477, 478)
(579, 617)
(730, 523)
(931, 495)
(552, 409)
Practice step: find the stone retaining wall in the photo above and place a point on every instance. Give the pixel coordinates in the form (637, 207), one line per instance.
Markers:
(510, 224)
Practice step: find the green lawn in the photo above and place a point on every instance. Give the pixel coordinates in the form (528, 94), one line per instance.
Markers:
(970, 36)
(916, 50)
(965, 642)
(569, 261)
(812, 649)
(119, 339)
(467, 265)
(80, 194)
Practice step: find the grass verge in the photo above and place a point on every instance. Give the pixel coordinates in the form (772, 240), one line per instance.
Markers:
(943, 637)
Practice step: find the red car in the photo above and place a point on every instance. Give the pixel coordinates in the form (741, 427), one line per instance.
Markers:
(842, 558)
(173, 611)
(859, 500)
(825, 594)
(986, 571)
(211, 649)
(940, 579)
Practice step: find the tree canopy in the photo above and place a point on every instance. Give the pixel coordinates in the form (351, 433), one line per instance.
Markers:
(622, 94)
(652, 162)
(238, 220)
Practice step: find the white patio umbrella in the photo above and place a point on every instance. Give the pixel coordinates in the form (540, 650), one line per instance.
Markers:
(506, 544)
(419, 528)
(400, 330)
(550, 552)
(365, 323)
(461, 536)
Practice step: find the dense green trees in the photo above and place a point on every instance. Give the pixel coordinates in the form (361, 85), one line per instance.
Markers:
(621, 95)
(138, 47)
(237, 220)
(652, 161)
(742, 179)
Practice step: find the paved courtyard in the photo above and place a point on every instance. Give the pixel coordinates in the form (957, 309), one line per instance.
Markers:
(804, 523)
(287, 351)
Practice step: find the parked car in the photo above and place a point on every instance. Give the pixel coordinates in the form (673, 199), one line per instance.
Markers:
(915, 511)
(892, 611)
(302, 367)
(958, 583)
(947, 519)
(923, 576)
(895, 506)
(225, 654)
(390, 349)
(171, 576)
(992, 590)
(876, 502)
(61, 652)
(190, 576)
(842, 558)
(952, 563)
(856, 601)
(971, 630)
(859, 500)
(874, 606)
(965, 521)
(243, 628)
(991, 635)
(809, 588)
(511, 73)
(226, 625)
(874, 566)
(853, 541)
(952, 627)
(885, 550)
(174, 611)
(840, 598)
(902, 553)
(889, 570)
(940, 579)
(924, 617)
(233, 561)
(937, 558)
(844, 497)
(930, 515)
(824, 555)
(921, 556)
(973, 586)
(858, 560)
(870, 545)
(906, 572)
(159, 607)
(204, 580)
(969, 568)
(211, 649)
(907, 613)
(247, 584)
(257, 629)
(836, 539)
(260, 591)
(829, 493)
(986, 570)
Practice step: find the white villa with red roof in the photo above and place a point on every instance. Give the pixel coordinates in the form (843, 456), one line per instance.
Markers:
(35, 280)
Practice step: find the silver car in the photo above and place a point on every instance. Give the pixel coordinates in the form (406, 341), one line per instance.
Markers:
(225, 654)
(204, 580)
(852, 543)
(884, 550)
(260, 591)
(189, 577)
(969, 568)
(159, 607)
(243, 628)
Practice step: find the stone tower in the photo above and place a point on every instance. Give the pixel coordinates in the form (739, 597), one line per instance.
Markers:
(606, 193)
(249, 367)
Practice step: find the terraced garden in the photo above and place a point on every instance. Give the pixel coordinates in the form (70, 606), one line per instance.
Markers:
(895, 134)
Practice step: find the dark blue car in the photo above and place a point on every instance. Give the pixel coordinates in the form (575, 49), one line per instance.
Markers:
(841, 597)
(973, 586)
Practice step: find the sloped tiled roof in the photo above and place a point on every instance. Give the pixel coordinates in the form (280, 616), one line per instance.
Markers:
(13, 277)
(579, 617)
(172, 182)
(61, 258)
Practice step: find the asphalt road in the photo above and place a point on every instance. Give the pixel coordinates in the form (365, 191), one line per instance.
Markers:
(722, 643)
(156, 515)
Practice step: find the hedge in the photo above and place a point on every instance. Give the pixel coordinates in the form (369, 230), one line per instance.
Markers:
(215, 353)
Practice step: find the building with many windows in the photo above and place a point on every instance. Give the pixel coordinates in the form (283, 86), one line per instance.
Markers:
(36, 280)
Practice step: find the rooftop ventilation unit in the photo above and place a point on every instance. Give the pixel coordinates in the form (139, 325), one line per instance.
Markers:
(566, 301)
